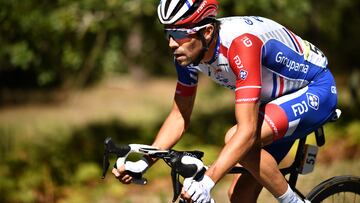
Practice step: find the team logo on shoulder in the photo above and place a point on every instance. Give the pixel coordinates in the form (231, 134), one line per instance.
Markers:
(243, 74)
(313, 101)
(247, 41)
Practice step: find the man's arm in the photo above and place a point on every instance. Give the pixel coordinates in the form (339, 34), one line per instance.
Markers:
(176, 122)
(240, 143)
(179, 117)
(170, 132)
(245, 59)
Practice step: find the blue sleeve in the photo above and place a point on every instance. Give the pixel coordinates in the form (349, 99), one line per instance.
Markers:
(187, 75)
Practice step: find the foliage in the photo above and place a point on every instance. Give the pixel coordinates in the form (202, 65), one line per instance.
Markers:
(34, 170)
(43, 169)
(68, 42)
(73, 43)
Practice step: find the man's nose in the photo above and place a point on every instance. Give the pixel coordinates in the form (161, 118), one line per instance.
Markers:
(172, 43)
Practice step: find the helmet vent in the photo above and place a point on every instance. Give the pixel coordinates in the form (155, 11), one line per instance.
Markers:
(185, 12)
(192, 9)
(176, 9)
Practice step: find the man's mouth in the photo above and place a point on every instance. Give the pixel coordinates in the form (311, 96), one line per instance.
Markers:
(178, 55)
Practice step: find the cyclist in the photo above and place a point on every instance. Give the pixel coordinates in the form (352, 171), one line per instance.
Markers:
(283, 91)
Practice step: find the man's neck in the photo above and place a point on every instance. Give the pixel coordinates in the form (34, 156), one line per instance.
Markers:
(210, 53)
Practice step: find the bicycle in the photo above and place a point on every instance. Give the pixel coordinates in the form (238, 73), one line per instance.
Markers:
(188, 164)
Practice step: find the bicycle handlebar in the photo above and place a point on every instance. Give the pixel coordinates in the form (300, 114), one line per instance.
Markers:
(182, 163)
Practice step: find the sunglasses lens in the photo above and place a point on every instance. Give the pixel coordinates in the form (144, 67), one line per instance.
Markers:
(176, 34)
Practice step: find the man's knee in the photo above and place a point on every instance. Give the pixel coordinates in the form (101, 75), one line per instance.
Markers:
(244, 189)
(230, 133)
(265, 137)
(230, 193)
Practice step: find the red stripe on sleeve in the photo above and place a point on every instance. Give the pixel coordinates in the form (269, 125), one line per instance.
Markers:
(183, 90)
(252, 95)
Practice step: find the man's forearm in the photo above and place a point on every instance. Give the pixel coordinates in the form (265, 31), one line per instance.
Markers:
(232, 152)
(176, 123)
(170, 132)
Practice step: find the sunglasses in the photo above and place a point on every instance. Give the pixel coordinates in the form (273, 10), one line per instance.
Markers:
(182, 33)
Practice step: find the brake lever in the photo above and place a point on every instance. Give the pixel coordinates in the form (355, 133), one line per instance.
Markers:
(111, 148)
(186, 170)
(106, 164)
(176, 185)
(122, 152)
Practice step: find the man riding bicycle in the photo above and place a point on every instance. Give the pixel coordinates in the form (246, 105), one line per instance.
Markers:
(283, 91)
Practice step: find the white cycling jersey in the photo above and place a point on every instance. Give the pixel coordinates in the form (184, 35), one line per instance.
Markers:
(258, 58)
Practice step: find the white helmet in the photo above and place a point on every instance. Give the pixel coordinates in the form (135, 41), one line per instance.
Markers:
(186, 12)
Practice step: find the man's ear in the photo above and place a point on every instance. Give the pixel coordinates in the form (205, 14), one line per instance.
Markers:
(209, 32)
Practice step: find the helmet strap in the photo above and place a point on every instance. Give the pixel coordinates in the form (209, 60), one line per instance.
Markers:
(205, 46)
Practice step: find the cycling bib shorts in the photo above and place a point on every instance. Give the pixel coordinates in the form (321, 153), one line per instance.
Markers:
(295, 115)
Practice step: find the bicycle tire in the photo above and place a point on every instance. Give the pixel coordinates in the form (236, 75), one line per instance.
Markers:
(338, 185)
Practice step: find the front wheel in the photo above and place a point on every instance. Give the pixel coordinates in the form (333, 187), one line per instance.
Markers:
(339, 189)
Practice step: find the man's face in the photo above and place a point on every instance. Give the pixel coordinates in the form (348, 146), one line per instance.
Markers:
(185, 44)
(185, 52)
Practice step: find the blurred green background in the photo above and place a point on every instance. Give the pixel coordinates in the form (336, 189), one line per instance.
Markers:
(73, 72)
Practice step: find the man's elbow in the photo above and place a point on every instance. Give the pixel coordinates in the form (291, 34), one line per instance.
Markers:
(186, 124)
(181, 120)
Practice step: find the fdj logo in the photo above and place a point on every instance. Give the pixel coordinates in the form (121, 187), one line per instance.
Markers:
(299, 108)
(313, 101)
(237, 61)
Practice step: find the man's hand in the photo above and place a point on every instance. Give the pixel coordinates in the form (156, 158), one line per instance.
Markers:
(198, 191)
(135, 167)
